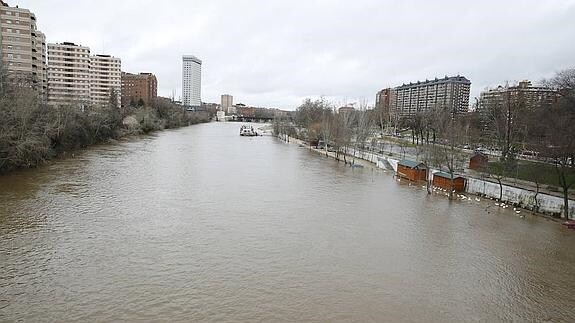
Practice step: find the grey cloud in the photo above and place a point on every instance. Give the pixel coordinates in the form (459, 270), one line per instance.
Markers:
(277, 52)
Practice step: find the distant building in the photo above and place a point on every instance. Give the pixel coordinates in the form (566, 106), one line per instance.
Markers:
(105, 78)
(524, 93)
(212, 108)
(22, 46)
(220, 116)
(191, 81)
(227, 103)
(76, 77)
(478, 161)
(244, 111)
(450, 93)
(68, 74)
(137, 88)
(385, 100)
(345, 109)
(405, 101)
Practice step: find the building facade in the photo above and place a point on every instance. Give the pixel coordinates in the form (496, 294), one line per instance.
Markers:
(105, 79)
(451, 93)
(139, 88)
(384, 102)
(22, 46)
(191, 81)
(68, 74)
(227, 102)
(523, 93)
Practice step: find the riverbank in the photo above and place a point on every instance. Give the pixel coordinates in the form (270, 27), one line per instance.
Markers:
(33, 135)
(521, 198)
(351, 161)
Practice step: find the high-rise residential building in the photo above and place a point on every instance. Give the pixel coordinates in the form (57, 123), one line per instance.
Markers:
(451, 93)
(22, 46)
(76, 77)
(227, 103)
(138, 88)
(105, 78)
(523, 93)
(384, 102)
(68, 74)
(191, 81)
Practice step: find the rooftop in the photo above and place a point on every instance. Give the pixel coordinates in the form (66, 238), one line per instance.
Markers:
(446, 79)
(192, 58)
(447, 175)
(411, 163)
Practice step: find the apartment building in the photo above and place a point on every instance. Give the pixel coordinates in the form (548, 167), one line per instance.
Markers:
(23, 46)
(524, 93)
(139, 87)
(191, 81)
(105, 79)
(227, 104)
(76, 77)
(451, 93)
(384, 101)
(68, 74)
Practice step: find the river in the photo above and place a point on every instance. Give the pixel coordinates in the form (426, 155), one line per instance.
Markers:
(200, 224)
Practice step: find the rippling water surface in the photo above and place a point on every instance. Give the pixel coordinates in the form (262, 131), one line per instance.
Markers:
(199, 224)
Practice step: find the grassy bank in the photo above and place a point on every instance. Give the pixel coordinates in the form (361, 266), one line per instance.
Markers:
(542, 173)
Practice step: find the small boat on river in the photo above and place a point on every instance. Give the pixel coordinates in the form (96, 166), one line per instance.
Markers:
(247, 131)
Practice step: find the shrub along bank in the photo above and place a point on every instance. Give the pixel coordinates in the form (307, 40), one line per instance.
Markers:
(32, 132)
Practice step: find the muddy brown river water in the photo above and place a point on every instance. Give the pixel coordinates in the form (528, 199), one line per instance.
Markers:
(199, 224)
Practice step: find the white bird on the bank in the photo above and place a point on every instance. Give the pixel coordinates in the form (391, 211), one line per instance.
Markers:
(477, 199)
(496, 204)
(517, 211)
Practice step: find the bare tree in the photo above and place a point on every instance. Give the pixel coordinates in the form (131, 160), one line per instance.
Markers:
(448, 155)
(327, 128)
(560, 143)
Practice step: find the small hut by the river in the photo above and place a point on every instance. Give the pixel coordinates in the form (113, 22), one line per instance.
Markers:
(443, 180)
(411, 170)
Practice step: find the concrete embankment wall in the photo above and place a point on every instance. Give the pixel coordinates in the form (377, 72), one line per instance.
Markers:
(548, 204)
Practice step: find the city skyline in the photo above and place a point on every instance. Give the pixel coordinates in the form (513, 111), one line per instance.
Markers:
(343, 53)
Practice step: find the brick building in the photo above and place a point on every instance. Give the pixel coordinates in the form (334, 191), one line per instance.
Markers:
(137, 88)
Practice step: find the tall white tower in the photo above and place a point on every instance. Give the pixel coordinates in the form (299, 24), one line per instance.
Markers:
(191, 81)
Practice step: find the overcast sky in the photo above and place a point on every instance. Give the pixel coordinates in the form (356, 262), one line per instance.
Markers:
(275, 53)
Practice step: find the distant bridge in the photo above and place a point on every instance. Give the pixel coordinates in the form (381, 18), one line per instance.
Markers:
(251, 119)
